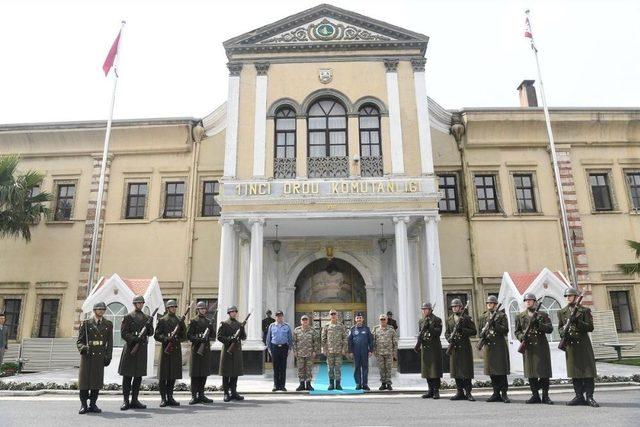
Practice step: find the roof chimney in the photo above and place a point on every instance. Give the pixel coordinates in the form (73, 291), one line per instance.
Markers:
(527, 94)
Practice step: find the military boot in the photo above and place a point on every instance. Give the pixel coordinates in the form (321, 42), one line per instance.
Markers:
(535, 396)
(495, 397)
(436, 393)
(83, 408)
(338, 386)
(234, 393)
(383, 386)
(92, 402)
(83, 402)
(135, 403)
(309, 387)
(204, 399)
(590, 386)
(163, 393)
(331, 385)
(170, 400)
(429, 394)
(505, 398)
(459, 394)
(125, 405)
(545, 397)
(302, 386)
(227, 396)
(388, 387)
(194, 395)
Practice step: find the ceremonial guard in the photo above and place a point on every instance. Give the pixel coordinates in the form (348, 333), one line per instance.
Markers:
(385, 348)
(231, 333)
(581, 362)
(95, 344)
(495, 352)
(170, 332)
(430, 349)
(460, 328)
(334, 346)
(136, 329)
(306, 344)
(360, 343)
(199, 333)
(531, 328)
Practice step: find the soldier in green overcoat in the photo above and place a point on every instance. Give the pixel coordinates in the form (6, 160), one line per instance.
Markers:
(200, 332)
(134, 366)
(95, 344)
(170, 366)
(581, 362)
(495, 351)
(430, 350)
(461, 355)
(231, 362)
(536, 357)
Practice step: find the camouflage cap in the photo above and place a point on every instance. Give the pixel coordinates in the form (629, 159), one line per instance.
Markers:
(201, 304)
(426, 305)
(171, 303)
(456, 302)
(492, 299)
(100, 306)
(571, 291)
(138, 298)
(232, 308)
(529, 296)
(383, 317)
(304, 317)
(332, 311)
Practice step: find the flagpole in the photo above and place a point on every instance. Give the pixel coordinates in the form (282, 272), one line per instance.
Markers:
(573, 276)
(103, 170)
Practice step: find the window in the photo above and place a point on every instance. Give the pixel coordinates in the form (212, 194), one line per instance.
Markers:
(551, 307)
(64, 202)
(633, 178)
(370, 142)
(327, 129)
(621, 310)
(12, 316)
(464, 297)
(210, 191)
(136, 200)
(599, 183)
(486, 193)
(448, 184)
(174, 199)
(525, 197)
(48, 318)
(115, 313)
(34, 191)
(285, 133)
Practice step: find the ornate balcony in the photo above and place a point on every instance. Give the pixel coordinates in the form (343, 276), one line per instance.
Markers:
(328, 167)
(284, 168)
(371, 166)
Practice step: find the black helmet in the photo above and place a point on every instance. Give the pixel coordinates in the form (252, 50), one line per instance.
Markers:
(201, 304)
(571, 291)
(529, 295)
(492, 299)
(100, 306)
(138, 298)
(456, 301)
(232, 308)
(426, 305)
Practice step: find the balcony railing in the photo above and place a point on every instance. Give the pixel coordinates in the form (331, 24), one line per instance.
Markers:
(284, 168)
(371, 166)
(328, 167)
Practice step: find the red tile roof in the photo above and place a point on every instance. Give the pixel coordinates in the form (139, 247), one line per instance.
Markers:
(137, 286)
(523, 280)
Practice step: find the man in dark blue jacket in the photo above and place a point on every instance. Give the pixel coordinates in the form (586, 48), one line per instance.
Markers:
(360, 348)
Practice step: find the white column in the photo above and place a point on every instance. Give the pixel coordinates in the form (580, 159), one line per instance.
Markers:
(227, 273)
(422, 109)
(403, 277)
(413, 309)
(395, 125)
(243, 265)
(260, 121)
(231, 132)
(434, 269)
(254, 330)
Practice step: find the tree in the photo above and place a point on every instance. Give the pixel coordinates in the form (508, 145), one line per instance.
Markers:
(21, 206)
(632, 267)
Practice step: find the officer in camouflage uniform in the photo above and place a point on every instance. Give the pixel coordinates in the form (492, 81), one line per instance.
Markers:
(581, 363)
(134, 366)
(430, 350)
(495, 351)
(536, 357)
(306, 344)
(385, 348)
(95, 344)
(461, 357)
(334, 345)
(231, 363)
(199, 333)
(170, 366)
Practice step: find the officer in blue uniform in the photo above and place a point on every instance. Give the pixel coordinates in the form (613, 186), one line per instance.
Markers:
(360, 349)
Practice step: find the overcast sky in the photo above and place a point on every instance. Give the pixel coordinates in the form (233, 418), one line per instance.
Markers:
(173, 63)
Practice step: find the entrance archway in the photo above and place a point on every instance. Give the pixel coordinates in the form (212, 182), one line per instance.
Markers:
(329, 283)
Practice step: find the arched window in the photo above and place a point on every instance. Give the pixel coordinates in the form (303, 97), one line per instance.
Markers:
(370, 143)
(284, 164)
(115, 313)
(552, 307)
(513, 312)
(327, 140)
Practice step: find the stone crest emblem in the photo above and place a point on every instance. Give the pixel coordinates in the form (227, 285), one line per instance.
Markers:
(325, 75)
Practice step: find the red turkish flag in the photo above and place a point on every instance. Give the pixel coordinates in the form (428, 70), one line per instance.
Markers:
(111, 56)
(527, 29)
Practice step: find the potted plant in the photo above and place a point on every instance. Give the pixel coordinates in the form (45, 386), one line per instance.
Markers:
(9, 368)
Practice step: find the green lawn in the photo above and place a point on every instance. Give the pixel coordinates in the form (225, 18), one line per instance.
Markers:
(632, 362)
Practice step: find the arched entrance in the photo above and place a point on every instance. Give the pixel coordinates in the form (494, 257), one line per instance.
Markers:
(329, 283)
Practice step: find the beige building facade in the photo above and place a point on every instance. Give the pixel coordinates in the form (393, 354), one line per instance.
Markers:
(328, 179)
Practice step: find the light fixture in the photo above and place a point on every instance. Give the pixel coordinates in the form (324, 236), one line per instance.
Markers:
(382, 242)
(276, 244)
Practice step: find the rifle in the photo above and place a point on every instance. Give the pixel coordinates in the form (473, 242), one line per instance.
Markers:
(143, 332)
(563, 342)
(236, 336)
(205, 340)
(416, 348)
(455, 330)
(487, 327)
(171, 338)
(525, 342)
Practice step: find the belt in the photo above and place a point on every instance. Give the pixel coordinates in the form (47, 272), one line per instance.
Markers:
(281, 345)
(95, 342)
